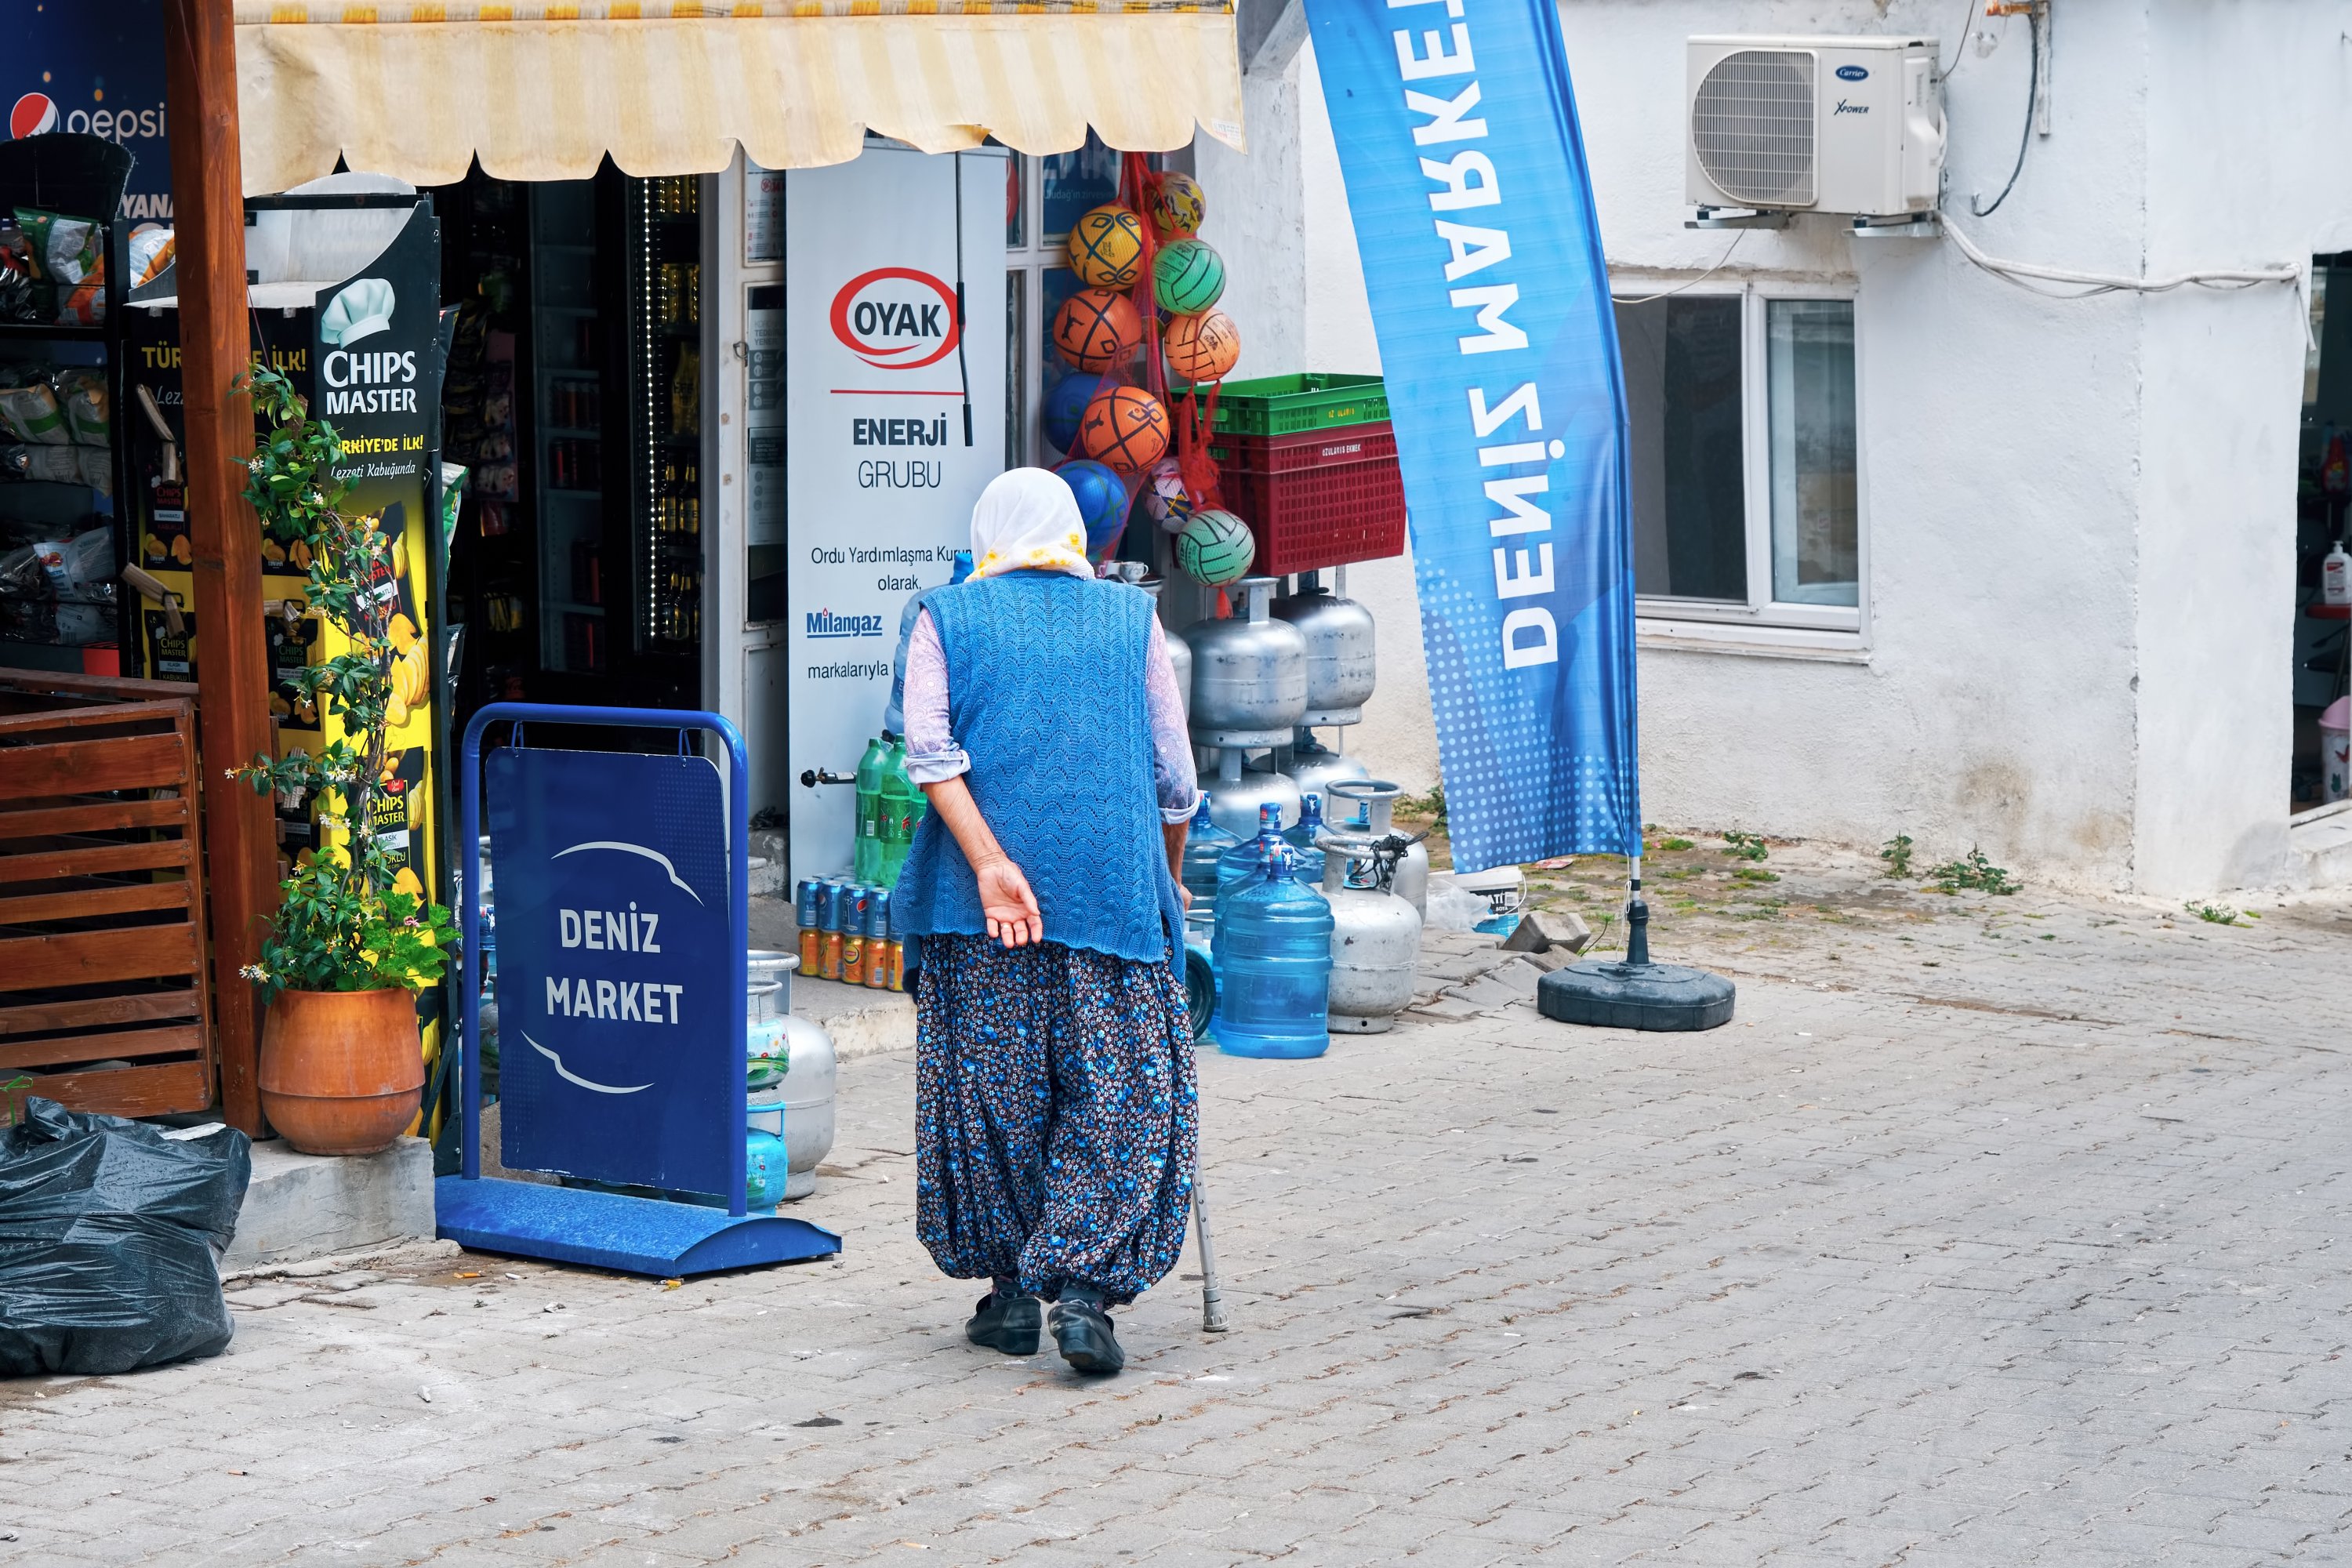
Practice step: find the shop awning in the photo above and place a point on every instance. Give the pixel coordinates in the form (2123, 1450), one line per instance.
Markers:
(542, 91)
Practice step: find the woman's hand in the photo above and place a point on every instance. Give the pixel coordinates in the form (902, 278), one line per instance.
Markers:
(1006, 902)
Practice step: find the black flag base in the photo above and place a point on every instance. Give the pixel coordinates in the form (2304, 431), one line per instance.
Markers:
(1636, 994)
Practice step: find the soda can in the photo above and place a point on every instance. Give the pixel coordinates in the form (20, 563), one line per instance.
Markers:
(804, 913)
(830, 906)
(853, 934)
(881, 953)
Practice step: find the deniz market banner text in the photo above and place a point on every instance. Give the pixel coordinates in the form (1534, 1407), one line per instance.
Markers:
(1467, 179)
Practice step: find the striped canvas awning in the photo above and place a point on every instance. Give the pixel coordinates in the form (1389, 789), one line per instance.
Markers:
(543, 90)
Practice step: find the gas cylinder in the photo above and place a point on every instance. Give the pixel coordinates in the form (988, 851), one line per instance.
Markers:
(1379, 798)
(1235, 795)
(807, 1100)
(1180, 652)
(1340, 650)
(1375, 937)
(1249, 674)
(1315, 768)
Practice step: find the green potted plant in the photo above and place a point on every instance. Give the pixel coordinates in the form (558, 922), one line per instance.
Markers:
(353, 940)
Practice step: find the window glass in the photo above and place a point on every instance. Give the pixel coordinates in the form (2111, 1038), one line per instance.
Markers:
(1682, 359)
(1816, 524)
(1015, 220)
(1016, 404)
(1058, 284)
(1074, 182)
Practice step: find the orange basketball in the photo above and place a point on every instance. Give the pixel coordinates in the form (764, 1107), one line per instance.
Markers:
(1094, 329)
(1124, 426)
(1203, 347)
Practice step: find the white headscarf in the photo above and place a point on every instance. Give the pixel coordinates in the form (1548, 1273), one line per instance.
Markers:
(1028, 521)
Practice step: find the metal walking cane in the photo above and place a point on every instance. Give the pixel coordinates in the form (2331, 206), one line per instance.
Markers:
(1212, 1302)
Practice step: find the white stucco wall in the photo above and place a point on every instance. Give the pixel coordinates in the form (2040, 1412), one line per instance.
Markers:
(2079, 513)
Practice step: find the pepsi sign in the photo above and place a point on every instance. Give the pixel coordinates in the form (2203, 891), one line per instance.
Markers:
(95, 70)
(896, 318)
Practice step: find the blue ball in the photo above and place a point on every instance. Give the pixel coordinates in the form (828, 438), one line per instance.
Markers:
(1102, 499)
(1064, 403)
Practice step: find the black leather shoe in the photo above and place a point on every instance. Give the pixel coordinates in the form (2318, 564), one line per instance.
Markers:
(1082, 1329)
(1007, 1323)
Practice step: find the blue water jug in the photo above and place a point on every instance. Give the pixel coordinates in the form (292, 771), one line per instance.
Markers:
(1203, 845)
(1274, 965)
(1241, 863)
(1302, 837)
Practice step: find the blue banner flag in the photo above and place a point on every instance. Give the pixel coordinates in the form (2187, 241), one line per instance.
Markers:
(1466, 175)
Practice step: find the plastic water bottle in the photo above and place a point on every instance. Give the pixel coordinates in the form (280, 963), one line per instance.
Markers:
(1241, 863)
(1302, 837)
(1202, 846)
(865, 864)
(1274, 963)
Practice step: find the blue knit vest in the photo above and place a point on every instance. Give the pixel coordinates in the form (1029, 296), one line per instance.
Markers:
(1045, 695)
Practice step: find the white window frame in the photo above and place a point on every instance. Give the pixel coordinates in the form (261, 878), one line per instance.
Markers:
(1764, 622)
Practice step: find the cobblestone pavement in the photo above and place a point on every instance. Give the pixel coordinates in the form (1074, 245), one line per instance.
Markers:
(1994, 1231)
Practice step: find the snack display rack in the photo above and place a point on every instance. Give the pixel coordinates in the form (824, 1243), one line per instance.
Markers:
(62, 605)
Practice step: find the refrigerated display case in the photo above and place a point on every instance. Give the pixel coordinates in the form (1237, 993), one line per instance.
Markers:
(580, 558)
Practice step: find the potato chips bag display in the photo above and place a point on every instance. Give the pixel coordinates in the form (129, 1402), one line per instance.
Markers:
(65, 250)
(150, 246)
(28, 407)
(81, 393)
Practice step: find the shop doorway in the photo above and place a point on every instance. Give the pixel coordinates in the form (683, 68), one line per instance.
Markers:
(2322, 633)
(574, 401)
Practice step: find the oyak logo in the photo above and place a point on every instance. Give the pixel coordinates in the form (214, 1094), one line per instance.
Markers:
(896, 318)
(36, 114)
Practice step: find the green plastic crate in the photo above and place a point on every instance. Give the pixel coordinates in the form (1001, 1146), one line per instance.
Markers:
(1286, 405)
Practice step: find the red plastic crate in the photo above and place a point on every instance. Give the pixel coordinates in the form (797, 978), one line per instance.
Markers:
(1314, 499)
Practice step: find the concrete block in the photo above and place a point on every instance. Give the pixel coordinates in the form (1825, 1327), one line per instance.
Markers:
(1540, 930)
(305, 1205)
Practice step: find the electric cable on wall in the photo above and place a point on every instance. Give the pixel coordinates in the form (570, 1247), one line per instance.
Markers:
(2025, 275)
(1646, 299)
(2025, 136)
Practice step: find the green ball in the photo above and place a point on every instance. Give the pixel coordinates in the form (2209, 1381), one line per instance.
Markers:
(1215, 548)
(1189, 277)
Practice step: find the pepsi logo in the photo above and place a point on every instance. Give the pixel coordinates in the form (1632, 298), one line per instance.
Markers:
(896, 318)
(35, 114)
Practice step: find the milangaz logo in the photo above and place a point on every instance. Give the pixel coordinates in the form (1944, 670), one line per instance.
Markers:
(825, 624)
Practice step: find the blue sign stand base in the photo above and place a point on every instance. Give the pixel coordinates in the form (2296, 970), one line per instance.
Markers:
(609, 1230)
(580, 1225)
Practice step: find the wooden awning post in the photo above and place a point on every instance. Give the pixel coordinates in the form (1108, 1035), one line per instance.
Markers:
(232, 677)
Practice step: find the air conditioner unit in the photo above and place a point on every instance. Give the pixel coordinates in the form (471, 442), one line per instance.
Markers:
(1848, 125)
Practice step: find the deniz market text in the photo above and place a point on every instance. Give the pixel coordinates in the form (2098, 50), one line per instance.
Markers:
(626, 1001)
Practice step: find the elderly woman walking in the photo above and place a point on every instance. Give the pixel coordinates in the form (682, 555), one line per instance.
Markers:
(1056, 1114)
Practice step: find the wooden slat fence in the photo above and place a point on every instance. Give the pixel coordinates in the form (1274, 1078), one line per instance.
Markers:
(104, 993)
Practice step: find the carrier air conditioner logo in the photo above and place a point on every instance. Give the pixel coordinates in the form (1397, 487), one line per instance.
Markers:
(894, 318)
(1852, 73)
(36, 114)
(825, 624)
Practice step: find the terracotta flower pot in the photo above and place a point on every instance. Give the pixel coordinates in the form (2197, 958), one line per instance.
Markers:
(342, 1072)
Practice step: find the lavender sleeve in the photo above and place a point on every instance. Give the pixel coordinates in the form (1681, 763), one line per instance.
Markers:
(1172, 779)
(933, 756)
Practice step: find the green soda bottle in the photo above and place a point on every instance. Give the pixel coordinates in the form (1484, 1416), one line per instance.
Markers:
(902, 806)
(865, 860)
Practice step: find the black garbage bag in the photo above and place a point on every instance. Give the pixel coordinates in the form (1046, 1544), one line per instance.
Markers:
(111, 1238)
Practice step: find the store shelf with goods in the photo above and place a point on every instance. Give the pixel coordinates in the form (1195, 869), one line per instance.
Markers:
(65, 532)
(34, 331)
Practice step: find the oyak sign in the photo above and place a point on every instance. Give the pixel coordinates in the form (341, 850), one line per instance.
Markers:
(619, 1033)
